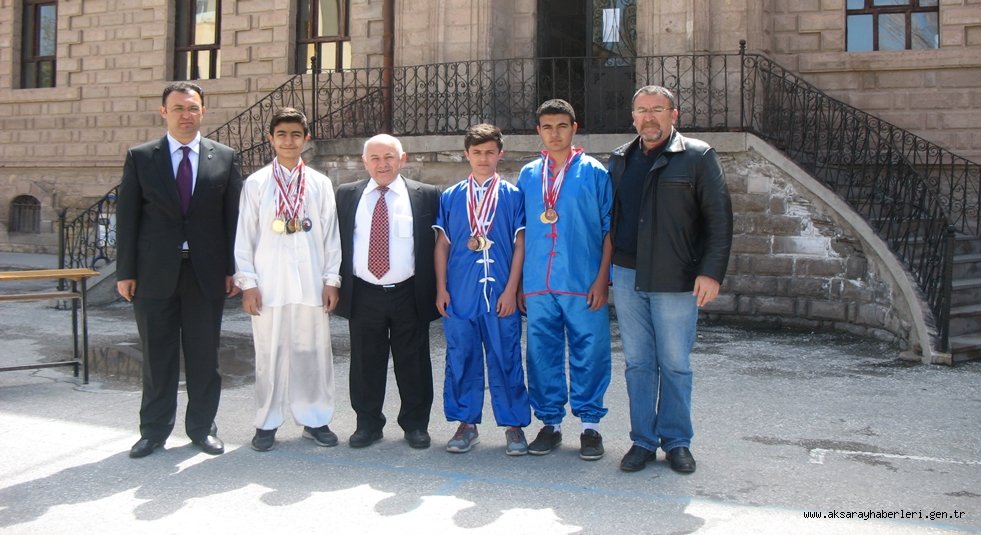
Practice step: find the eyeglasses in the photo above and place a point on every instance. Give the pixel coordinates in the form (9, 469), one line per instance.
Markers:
(655, 109)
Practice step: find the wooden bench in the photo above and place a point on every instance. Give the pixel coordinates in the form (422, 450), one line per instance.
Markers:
(77, 294)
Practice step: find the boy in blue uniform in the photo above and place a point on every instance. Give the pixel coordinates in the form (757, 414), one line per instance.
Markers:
(478, 259)
(568, 197)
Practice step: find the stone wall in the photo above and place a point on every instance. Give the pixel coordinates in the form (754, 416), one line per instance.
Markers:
(795, 262)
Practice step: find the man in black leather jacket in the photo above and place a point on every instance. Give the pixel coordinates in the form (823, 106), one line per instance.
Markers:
(672, 232)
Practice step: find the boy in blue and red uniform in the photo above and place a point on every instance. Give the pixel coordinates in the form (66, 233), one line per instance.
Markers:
(568, 197)
(478, 259)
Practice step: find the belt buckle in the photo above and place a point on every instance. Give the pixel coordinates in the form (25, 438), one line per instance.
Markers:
(387, 287)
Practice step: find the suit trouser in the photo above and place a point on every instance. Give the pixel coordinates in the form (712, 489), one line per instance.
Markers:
(190, 321)
(384, 320)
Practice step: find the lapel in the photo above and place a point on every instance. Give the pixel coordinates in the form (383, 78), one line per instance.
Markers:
(167, 180)
(351, 205)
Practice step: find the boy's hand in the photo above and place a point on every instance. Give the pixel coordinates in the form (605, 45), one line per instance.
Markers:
(506, 304)
(598, 294)
(252, 301)
(331, 295)
(442, 301)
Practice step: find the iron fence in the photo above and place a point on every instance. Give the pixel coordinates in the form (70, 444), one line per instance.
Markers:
(913, 192)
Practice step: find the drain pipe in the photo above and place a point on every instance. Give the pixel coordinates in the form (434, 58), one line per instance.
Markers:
(388, 63)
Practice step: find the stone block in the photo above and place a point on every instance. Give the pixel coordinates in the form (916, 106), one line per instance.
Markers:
(809, 287)
(780, 225)
(751, 244)
(754, 285)
(778, 306)
(820, 267)
(827, 310)
(745, 202)
(758, 184)
(772, 265)
(805, 245)
(723, 303)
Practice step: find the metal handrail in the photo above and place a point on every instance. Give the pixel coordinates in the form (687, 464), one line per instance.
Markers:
(912, 191)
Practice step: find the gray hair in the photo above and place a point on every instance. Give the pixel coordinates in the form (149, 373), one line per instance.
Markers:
(655, 90)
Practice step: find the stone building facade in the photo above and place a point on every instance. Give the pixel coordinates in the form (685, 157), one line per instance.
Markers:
(62, 147)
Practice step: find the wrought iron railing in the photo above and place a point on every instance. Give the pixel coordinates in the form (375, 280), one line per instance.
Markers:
(89, 239)
(913, 192)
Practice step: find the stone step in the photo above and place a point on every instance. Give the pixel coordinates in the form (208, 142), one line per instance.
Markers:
(965, 292)
(965, 319)
(967, 266)
(966, 347)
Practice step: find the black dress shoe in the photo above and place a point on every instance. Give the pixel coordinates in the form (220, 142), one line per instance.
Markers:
(418, 439)
(210, 444)
(637, 458)
(144, 447)
(363, 438)
(681, 460)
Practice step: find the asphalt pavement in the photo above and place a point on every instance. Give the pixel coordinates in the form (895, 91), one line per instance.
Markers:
(788, 423)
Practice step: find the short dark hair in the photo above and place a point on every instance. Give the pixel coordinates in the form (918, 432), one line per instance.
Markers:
(182, 87)
(482, 133)
(288, 115)
(655, 90)
(555, 107)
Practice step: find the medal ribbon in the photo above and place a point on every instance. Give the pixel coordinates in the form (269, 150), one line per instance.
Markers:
(550, 195)
(289, 190)
(481, 215)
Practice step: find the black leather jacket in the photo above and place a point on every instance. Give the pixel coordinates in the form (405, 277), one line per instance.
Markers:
(685, 226)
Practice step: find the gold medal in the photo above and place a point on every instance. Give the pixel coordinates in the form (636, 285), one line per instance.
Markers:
(278, 225)
(486, 244)
(473, 243)
(291, 226)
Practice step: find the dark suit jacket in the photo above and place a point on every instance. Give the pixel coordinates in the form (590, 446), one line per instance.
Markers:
(424, 200)
(151, 229)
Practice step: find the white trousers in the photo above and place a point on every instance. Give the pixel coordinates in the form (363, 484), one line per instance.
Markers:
(294, 366)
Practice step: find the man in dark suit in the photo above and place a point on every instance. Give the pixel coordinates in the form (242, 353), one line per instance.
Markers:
(388, 290)
(176, 214)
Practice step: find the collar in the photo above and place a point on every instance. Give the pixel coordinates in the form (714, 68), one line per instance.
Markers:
(397, 186)
(175, 145)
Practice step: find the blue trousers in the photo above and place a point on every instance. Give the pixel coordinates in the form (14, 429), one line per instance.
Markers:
(658, 332)
(551, 319)
(463, 388)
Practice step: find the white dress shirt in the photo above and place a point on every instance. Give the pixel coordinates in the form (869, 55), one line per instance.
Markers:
(401, 248)
(176, 155)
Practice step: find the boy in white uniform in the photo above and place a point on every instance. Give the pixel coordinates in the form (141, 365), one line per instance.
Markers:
(288, 256)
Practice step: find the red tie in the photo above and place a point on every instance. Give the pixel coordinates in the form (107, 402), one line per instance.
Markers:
(378, 242)
(184, 182)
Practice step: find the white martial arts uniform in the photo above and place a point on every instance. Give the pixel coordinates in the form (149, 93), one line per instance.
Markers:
(294, 361)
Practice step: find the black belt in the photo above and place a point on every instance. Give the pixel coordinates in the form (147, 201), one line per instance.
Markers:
(385, 287)
(185, 254)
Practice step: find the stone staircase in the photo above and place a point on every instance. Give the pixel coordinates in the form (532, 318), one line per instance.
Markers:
(965, 311)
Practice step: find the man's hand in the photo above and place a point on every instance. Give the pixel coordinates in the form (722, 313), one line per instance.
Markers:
(230, 289)
(706, 290)
(331, 295)
(126, 288)
(442, 301)
(252, 301)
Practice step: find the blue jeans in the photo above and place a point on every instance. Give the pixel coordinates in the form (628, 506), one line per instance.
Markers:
(657, 330)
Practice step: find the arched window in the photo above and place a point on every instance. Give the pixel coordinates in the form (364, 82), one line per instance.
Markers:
(25, 214)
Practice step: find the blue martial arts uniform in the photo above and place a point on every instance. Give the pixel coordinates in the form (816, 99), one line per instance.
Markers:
(475, 280)
(562, 260)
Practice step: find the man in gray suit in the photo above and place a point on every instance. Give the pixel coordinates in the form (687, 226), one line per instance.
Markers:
(388, 290)
(176, 215)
